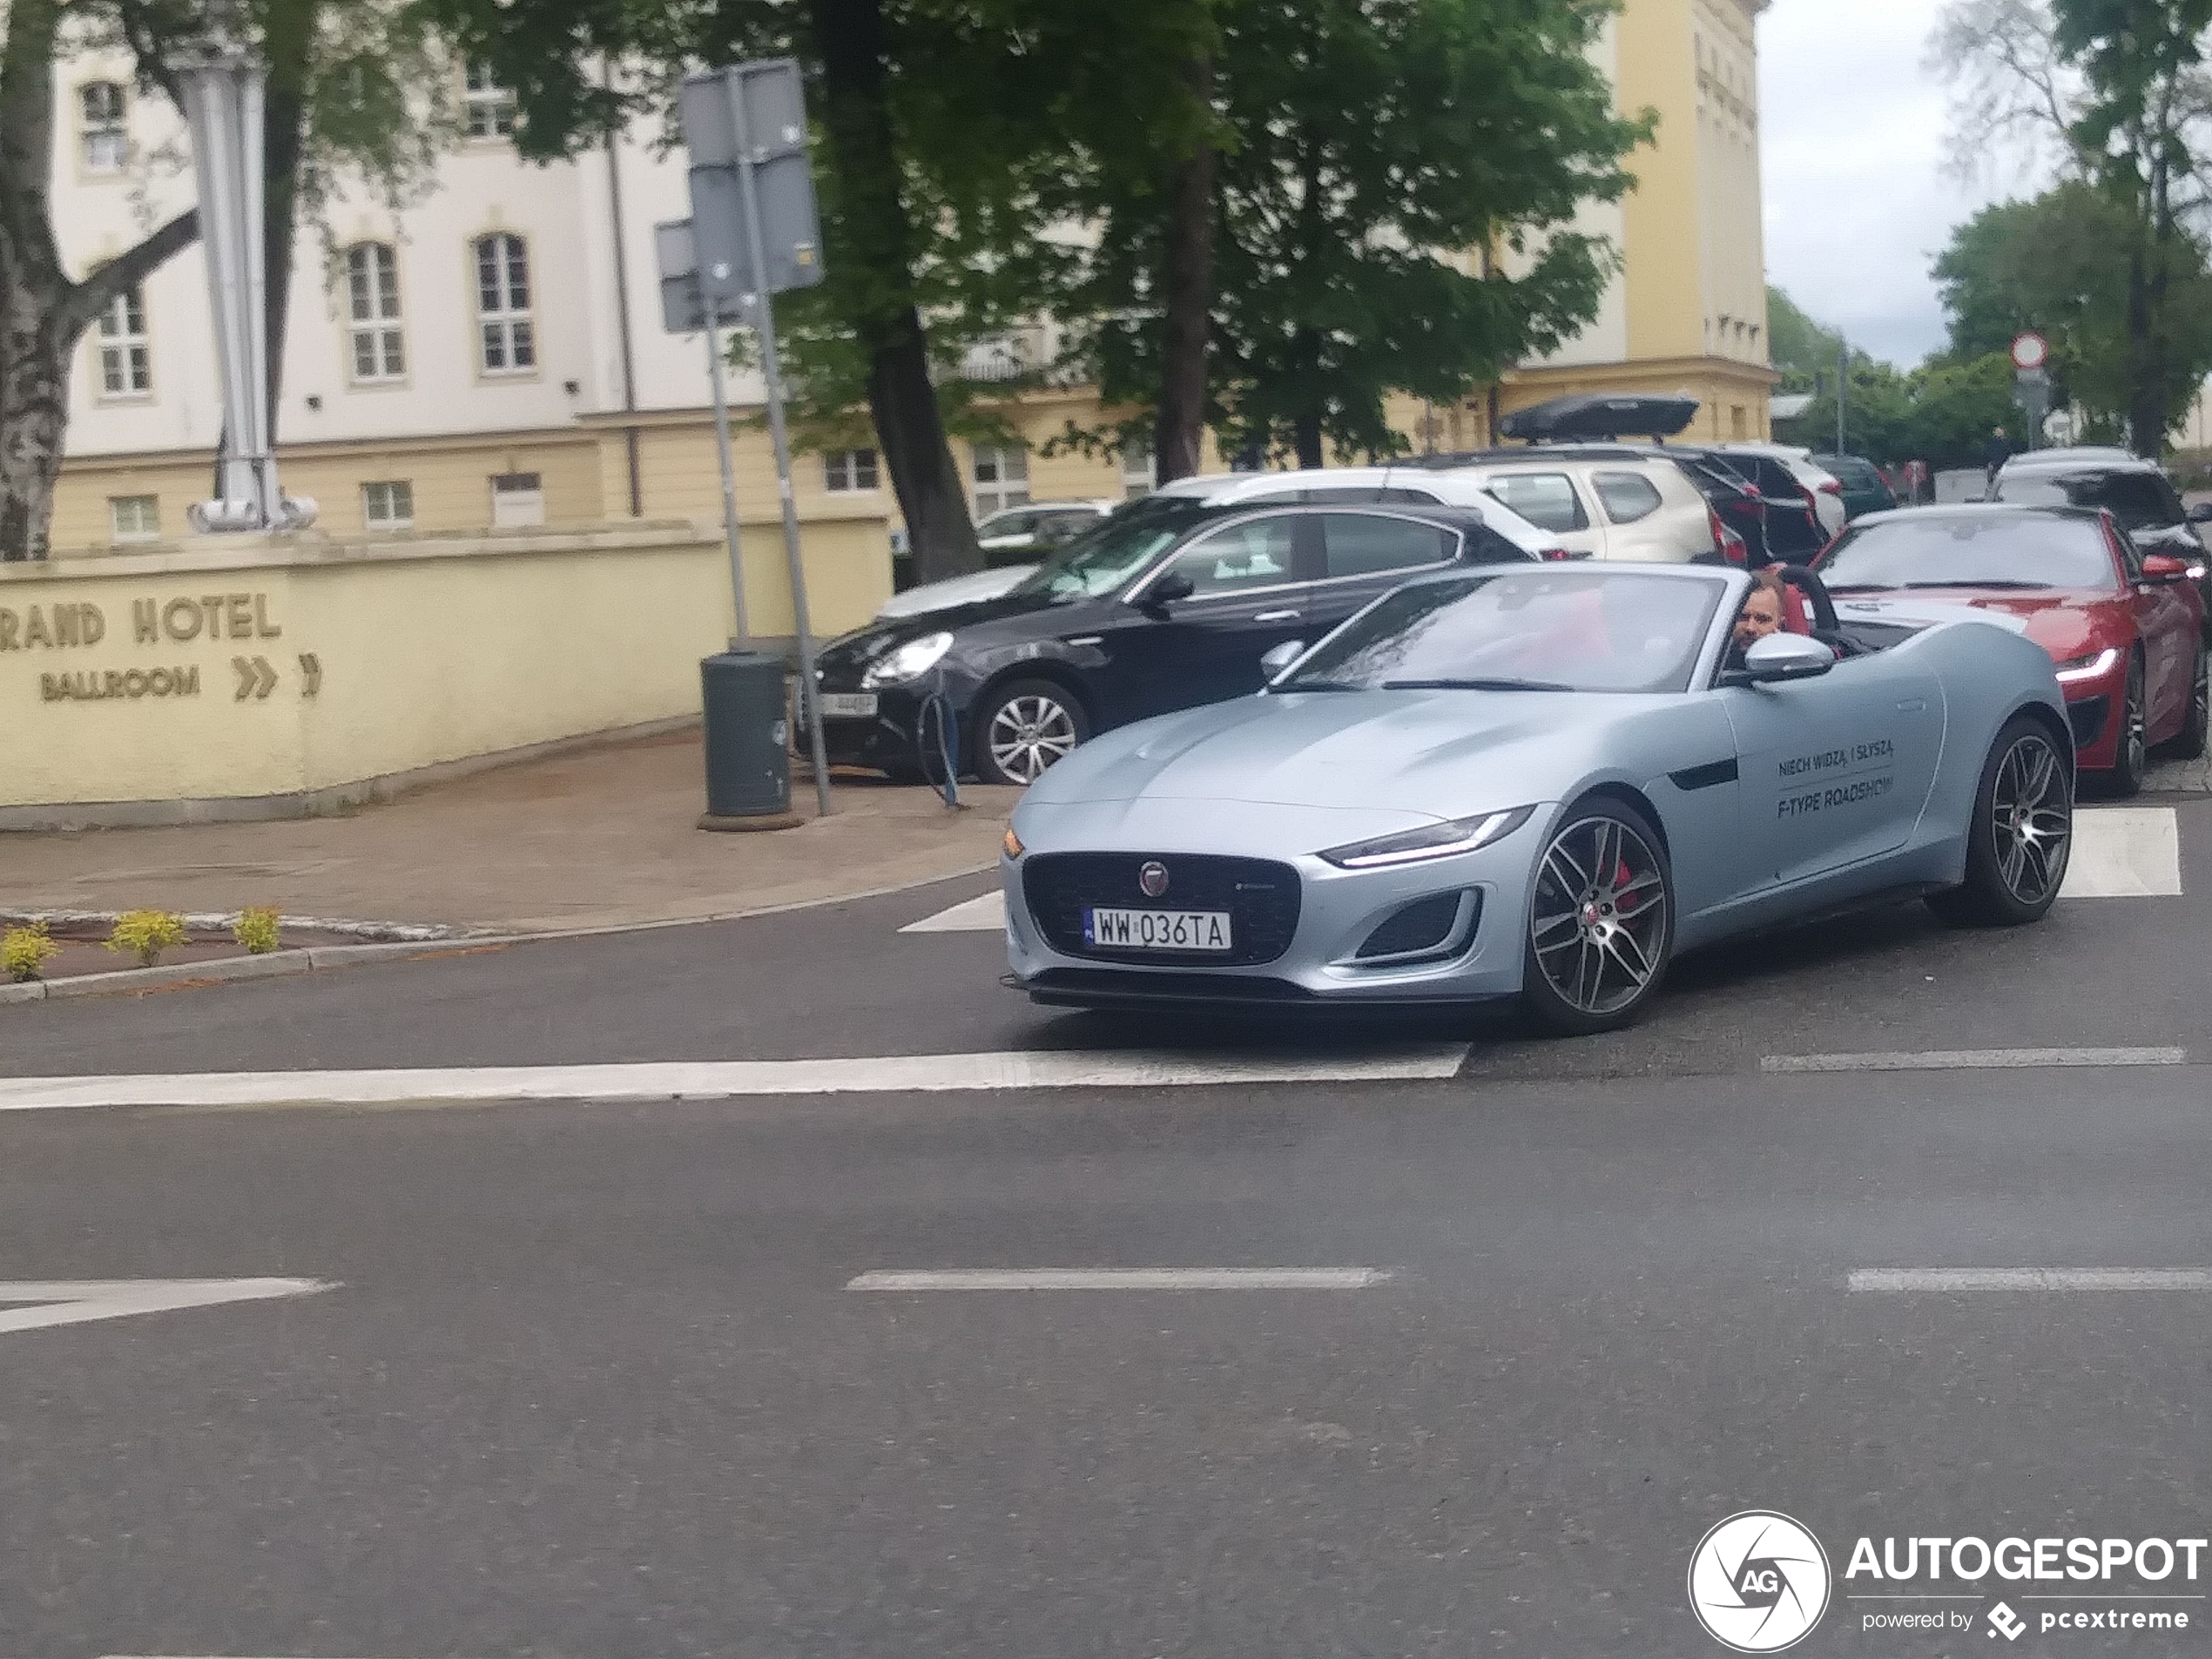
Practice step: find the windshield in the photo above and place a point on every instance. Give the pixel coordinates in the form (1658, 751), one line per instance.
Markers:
(1120, 545)
(1994, 550)
(1586, 631)
(2141, 501)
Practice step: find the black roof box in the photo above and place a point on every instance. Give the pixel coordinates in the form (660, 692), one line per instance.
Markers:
(1589, 417)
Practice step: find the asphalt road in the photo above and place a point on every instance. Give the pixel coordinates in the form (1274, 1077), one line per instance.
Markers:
(590, 1383)
(842, 981)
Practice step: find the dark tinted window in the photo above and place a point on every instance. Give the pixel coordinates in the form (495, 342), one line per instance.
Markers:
(2140, 501)
(1545, 499)
(1851, 471)
(1117, 548)
(1626, 496)
(1255, 553)
(1945, 549)
(1369, 543)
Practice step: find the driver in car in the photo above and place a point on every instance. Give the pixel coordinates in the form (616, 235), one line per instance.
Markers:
(1761, 616)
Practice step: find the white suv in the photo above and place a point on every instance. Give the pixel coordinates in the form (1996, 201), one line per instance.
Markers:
(1622, 506)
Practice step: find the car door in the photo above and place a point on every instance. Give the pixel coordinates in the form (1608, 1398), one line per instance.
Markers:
(2167, 629)
(1833, 770)
(1551, 501)
(1364, 556)
(1248, 582)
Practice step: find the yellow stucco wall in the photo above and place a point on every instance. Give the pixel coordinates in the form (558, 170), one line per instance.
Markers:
(386, 656)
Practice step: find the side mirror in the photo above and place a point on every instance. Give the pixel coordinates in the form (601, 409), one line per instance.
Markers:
(2201, 513)
(2163, 568)
(1165, 592)
(1282, 656)
(1786, 656)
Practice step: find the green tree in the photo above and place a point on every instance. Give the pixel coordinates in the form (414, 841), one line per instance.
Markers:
(1394, 189)
(1802, 349)
(2116, 93)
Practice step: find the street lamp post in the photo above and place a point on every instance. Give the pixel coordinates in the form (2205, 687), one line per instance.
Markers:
(224, 87)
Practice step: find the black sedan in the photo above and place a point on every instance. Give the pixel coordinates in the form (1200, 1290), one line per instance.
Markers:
(1172, 603)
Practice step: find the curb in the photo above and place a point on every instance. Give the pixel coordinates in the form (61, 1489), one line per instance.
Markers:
(280, 963)
(410, 932)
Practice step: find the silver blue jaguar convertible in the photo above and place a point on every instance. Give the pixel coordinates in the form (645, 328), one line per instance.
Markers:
(1543, 782)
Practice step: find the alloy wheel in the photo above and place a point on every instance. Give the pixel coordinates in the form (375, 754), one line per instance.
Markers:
(1600, 919)
(1028, 734)
(2032, 810)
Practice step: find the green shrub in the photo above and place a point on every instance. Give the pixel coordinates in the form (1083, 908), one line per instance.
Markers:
(24, 951)
(256, 930)
(146, 934)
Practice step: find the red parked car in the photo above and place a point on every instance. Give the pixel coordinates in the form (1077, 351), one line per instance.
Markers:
(2124, 628)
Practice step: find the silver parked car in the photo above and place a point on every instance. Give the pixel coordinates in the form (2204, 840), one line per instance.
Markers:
(1541, 781)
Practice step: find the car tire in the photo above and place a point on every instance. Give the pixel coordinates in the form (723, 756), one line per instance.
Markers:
(2015, 864)
(1590, 962)
(2189, 743)
(1024, 728)
(2131, 759)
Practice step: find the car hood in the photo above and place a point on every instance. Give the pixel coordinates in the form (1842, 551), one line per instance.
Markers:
(1434, 754)
(2066, 622)
(1005, 614)
(953, 592)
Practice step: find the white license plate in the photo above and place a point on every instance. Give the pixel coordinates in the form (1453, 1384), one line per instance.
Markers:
(848, 706)
(1198, 930)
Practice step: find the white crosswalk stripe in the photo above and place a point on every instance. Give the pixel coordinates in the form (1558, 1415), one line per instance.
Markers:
(2119, 852)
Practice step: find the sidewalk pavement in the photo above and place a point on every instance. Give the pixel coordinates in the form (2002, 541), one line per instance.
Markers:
(601, 838)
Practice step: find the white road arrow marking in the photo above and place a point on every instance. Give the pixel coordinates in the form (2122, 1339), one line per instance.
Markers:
(67, 1301)
(983, 915)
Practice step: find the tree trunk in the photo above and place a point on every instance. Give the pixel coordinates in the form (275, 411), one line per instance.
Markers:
(872, 243)
(34, 347)
(2146, 384)
(1187, 288)
(289, 42)
(1306, 424)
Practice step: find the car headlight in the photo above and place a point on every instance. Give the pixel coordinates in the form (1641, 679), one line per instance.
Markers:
(2096, 665)
(1437, 841)
(911, 661)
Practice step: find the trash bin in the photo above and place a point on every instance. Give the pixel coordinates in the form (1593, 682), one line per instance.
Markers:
(747, 742)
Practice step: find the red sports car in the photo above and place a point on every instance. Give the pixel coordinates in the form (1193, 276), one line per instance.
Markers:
(2125, 627)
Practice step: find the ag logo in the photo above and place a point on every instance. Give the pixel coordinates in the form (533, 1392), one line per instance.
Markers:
(1758, 1582)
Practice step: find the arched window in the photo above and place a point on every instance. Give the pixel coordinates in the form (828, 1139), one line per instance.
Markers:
(107, 144)
(373, 312)
(508, 340)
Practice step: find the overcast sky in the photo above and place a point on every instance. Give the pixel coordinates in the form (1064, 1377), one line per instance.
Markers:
(1859, 197)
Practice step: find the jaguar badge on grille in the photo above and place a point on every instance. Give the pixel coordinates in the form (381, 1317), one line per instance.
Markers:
(1153, 878)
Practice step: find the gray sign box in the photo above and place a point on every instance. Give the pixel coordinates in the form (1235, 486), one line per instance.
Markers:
(791, 234)
(682, 308)
(775, 100)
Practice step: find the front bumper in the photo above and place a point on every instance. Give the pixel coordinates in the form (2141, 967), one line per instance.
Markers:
(887, 740)
(1337, 912)
(2093, 709)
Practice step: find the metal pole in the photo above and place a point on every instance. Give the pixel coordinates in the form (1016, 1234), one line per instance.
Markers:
(744, 641)
(1843, 379)
(764, 321)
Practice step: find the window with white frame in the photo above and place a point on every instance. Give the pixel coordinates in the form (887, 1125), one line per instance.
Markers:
(509, 342)
(491, 106)
(1001, 474)
(517, 500)
(1140, 469)
(388, 504)
(373, 312)
(845, 470)
(107, 144)
(134, 518)
(127, 360)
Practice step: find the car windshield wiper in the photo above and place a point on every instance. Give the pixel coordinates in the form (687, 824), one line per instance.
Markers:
(1319, 685)
(1858, 587)
(1475, 685)
(1979, 582)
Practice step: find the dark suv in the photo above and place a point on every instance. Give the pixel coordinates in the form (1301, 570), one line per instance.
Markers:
(2134, 491)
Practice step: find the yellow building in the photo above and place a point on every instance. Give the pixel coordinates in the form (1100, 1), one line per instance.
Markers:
(493, 355)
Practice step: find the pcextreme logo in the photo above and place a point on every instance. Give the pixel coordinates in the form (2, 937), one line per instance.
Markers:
(1758, 1581)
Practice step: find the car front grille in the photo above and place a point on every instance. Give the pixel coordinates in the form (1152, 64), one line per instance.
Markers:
(1260, 896)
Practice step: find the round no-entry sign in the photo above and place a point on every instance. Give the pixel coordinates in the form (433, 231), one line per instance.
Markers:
(2030, 351)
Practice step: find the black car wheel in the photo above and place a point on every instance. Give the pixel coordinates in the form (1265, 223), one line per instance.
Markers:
(2131, 761)
(2021, 835)
(1023, 728)
(2196, 726)
(1601, 922)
